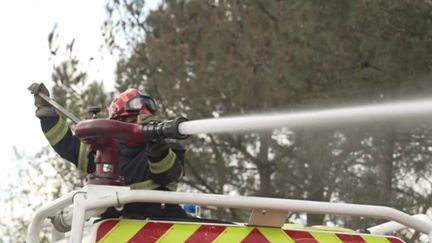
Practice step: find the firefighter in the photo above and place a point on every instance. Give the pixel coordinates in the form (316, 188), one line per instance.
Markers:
(158, 165)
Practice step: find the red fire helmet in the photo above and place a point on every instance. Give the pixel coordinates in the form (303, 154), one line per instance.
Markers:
(131, 102)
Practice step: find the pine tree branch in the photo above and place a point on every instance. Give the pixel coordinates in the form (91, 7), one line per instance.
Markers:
(199, 178)
(266, 11)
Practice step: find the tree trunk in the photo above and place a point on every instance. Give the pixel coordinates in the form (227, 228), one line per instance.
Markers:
(316, 195)
(385, 169)
(264, 168)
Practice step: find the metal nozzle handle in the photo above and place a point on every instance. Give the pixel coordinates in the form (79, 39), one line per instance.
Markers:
(59, 108)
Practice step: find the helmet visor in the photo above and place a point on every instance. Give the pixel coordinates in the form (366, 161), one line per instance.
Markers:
(141, 102)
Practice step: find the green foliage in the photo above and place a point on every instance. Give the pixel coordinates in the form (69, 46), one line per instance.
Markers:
(206, 59)
(40, 179)
(72, 89)
(45, 176)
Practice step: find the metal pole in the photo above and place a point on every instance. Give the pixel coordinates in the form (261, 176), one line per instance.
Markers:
(260, 203)
(58, 107)
(79, 210)
(48, 210)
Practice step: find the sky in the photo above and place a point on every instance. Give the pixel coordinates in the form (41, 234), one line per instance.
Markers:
(24, 59)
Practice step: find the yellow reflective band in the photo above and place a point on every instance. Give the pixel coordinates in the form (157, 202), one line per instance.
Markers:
(178, 233)
(275, 235)
(57, 132)
(164, 165)
(172, 186)
(374, 239)
(82, 158)
(148, 184)
(330, 229)
(122, 231)
(233, 234)
(325, 237)
(151, 185)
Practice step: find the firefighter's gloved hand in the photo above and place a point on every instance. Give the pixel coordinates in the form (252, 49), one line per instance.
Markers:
(44, 109)
(35, 89)
(157, 150)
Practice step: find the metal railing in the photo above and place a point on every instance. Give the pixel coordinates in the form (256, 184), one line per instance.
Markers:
(107, 196)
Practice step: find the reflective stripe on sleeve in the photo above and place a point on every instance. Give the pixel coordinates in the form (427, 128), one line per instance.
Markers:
(151, 185)
(148, 184)
(82, 158)
(172, 186)
(164, 165)
(57, 132)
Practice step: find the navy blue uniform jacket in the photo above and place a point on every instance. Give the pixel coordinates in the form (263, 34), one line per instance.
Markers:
(158, 166)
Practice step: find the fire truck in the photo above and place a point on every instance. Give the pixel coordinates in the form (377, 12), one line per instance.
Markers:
(73, 217)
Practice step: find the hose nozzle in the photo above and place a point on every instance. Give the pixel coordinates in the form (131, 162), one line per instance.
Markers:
(156, 130)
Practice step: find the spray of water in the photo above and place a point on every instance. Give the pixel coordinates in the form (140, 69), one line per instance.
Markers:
(367, 113)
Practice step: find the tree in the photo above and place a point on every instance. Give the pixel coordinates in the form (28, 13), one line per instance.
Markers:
(45, 176)
(219, 58)
(40, 179)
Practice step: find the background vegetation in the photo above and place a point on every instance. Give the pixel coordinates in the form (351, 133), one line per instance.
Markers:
(204, 59)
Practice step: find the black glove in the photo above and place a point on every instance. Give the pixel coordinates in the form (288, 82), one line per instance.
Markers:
(157, 150)
(35, 89)
(44, 109)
